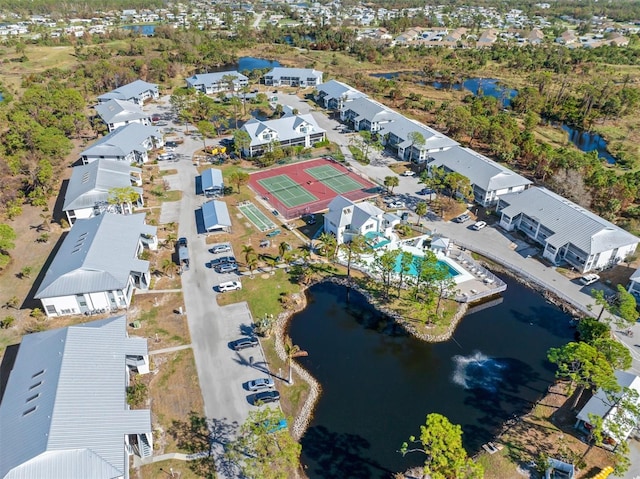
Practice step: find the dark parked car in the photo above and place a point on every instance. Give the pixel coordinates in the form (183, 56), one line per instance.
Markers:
(266, 397)
(171, 144)
(222, 260)
(227, 268)
(243, 343)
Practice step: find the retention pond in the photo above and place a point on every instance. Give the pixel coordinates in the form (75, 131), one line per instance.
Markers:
(379, 384)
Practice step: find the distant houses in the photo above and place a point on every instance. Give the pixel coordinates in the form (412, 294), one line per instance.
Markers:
(64, 412)
(137, 92)
(210, 83)
(117, 113)
(290, 130)
(90, 189)
(302, 77)
(566, 231)
(97, 266)
(129, 144)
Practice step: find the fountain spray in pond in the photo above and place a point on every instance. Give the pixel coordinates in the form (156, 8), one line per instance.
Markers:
(478, 371)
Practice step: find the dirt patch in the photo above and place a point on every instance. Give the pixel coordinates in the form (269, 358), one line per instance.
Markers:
(156, 318)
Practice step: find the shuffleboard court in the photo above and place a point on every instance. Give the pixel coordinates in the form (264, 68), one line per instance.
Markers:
(257, 217)
(290, 193)
(338, 181)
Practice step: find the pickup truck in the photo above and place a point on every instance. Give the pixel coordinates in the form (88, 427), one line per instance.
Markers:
(178, 140)
(183, 254)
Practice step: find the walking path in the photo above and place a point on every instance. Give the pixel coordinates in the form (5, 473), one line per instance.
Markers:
(169, 350)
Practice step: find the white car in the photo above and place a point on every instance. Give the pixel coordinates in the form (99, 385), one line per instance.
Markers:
(229, 286)
(588, 279)
(409, 173)
(397, 204)
(478, 225)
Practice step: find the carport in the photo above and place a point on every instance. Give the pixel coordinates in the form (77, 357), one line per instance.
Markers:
(212, 183)
(216, 217)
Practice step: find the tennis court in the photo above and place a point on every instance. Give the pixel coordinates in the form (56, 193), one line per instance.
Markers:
(338, 181)
(257, 217)
(287, 191)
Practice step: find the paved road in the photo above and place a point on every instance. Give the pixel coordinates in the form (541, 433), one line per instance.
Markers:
(222, 372)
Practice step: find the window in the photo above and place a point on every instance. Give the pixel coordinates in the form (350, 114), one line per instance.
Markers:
(51, 309)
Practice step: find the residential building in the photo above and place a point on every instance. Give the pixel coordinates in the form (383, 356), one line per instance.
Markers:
(634, 284)
(210, 83)
(293, 77)
(97, 266)
(605, 406)
(487, 38)
(117, 113)
(567, 232)
(290, 130)
(64, 412)
(400, 135)
(90, 189)
(346, 219)
(535, 37)
(212, 182)
(568, 37)
(489, 179)
(366, 114)
(333, 94)
(128, 144)
(216, 217)
(136, 92)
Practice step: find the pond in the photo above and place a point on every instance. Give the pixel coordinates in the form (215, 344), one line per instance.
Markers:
(246, 64)
(587, 141)
(379, 384)
(146, 30)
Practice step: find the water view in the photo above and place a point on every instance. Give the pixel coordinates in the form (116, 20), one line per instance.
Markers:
(146, 30)
(379, 385)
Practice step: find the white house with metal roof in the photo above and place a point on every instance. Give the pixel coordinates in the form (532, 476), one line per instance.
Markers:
(129, 144)
(400, 134)
(136, 92)
(634, 284)
(210, 83)
(366, 114)
(64, 412)
(290, 130)
(91, 189)
(333, 94)
(489, 179)
(567, 231)
(97, 266)
(216, 217)
(605, 406)
(346, 219)
(117, 113)
(293, 77)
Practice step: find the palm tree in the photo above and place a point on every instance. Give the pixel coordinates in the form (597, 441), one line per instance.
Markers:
(421, 210)
(283, 247)
(252, 262)
(271, 261)
(391, 182)
(292, 351)
(167, 265)
(329, 244)
(171, 239)
(248, 251)
(354, 249)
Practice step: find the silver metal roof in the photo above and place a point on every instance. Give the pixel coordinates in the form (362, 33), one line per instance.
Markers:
(64, 412)
(402, 126)
(128, 91)
(215, 215)
(337, 90)
(118, 111)
(209, 79)
(481, 171)
(371, 110)
(359, 213)
(305, 73)
(122, 141)
(98, 254)
(212, 179)
(91, 183)
(285, 127)
(569, 222)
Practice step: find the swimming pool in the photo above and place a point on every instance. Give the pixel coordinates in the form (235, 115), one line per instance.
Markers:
(412, 270)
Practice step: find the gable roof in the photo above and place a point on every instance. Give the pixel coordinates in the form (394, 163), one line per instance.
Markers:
(285, 127)
(335, 89)
(216, 215)
(91, 183)
(119, 111)
(481, 171)
(211, 179)
(279, 72)
(75, 378)
(98, 254)
(359, 213)
(128, 91)
(209, 79)
(402, 126)
(569, 222)
(122, 141)
(370, 110)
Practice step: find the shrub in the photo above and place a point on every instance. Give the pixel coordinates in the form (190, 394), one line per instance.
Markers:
(7, 322)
